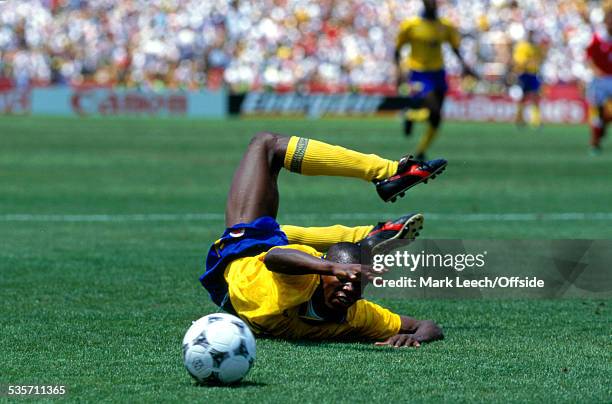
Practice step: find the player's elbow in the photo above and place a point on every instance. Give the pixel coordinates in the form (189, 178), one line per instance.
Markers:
(271, 260)
(279, 260)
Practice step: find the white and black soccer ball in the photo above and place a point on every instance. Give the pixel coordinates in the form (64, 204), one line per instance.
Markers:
(218, 348)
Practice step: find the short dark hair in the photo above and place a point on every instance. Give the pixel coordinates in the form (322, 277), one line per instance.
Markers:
(344, 253)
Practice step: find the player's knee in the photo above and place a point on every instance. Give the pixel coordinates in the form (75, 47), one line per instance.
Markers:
(435, 117)
(275, 145)
(264, 139)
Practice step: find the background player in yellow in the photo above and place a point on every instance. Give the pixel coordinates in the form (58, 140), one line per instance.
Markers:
(527, 58)
(426, 77)
(284, 289)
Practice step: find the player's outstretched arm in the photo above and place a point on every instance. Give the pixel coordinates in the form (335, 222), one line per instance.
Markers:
(414, 332)
(294, 262)
(467, 70)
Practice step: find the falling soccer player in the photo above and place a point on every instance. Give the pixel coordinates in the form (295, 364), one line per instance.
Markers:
(427, 78)
(278, 280)
(528, 57)
(599, 90)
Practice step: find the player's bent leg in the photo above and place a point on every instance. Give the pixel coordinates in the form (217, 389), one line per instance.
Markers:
(599, 93)
(519, 119)
(407, 122)
(598, 125)
(416, 112)
(254, 189)
(434, 101)
(321, 238)
(435, 118)
(536, 115)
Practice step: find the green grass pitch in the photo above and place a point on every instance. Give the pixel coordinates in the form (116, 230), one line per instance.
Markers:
(97, 297)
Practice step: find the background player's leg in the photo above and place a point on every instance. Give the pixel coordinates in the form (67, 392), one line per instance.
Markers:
(597, 96)
(598, 125)
(536, 115)
(415, 110)
(519, 120)
(434, 101)
(254, 190)
(321, 238)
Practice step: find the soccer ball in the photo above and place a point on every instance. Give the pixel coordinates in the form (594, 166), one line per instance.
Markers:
(218, 348)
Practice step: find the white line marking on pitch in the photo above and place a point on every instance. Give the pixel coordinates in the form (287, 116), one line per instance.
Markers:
(186, 217)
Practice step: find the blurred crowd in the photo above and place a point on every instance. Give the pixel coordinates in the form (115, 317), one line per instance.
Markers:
(269, 43)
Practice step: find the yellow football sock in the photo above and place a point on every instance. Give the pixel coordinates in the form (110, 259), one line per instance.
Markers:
(418, 115)
(321, 238)
(594, 118)
(536, 118)
(311, 157)
(426, 140)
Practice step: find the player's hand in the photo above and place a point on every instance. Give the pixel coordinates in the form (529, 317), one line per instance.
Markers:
(469, 72)
(400, 340)
(355, 272)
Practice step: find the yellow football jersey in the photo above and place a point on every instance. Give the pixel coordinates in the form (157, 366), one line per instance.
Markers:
(527, 57)
(425, 38)
(269, 302)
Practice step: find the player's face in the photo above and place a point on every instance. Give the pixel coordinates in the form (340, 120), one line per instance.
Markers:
(431, 7)
(340, 295)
